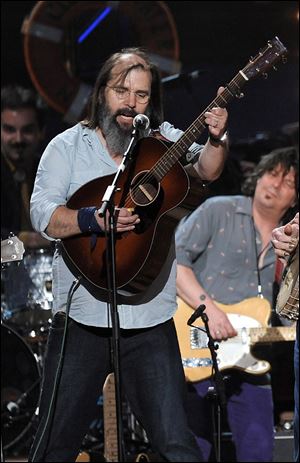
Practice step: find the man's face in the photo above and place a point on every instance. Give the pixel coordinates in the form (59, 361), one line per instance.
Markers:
(20, 134)
(122, 102)
(123, 98)
(277, 190)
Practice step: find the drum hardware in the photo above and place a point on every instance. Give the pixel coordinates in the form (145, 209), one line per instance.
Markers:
(12, 249)
(20, 388)
(16, 410)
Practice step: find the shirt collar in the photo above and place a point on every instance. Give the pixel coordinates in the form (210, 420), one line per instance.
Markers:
(244, 205)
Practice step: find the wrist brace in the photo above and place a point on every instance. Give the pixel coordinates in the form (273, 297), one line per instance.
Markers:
(87, 221)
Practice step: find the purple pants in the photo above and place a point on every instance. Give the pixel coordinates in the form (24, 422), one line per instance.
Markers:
(249, 416)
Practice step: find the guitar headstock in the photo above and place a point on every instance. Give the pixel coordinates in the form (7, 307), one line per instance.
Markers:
(265, 59)
(12, 250)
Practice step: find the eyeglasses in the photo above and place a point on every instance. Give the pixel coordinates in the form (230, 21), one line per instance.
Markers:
(123, 93)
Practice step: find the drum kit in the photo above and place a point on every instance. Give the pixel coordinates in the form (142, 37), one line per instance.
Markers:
(26, 302)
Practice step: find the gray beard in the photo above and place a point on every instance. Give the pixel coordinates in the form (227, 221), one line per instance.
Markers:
(117, 138)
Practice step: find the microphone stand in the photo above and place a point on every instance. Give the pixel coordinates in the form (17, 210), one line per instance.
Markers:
(108, 205)
(215, 393)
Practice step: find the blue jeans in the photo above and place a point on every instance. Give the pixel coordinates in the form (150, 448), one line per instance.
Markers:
(296, 397)
(249, 415)
(152, 379)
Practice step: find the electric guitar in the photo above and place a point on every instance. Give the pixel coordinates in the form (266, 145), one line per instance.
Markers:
(12, 250)
(153, 185)
(249, 317)
(110, 419)
(110, 423)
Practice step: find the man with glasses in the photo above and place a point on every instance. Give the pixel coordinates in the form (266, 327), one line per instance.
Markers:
(152, 375)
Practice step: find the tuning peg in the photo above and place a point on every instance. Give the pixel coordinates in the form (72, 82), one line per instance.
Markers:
(265, 75)
(275, 68)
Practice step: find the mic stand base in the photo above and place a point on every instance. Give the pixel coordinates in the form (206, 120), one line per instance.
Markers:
(216, 418)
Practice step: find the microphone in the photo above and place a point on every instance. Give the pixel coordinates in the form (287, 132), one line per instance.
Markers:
(141, 121)
(197, 313)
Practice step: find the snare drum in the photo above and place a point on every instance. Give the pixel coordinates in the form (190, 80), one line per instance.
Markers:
(27, 298)
(20, 388)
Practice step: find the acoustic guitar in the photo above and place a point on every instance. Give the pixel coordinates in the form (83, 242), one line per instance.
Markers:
(249, 317)
(153, 185)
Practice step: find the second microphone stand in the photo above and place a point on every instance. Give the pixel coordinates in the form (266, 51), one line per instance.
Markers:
(217, 393)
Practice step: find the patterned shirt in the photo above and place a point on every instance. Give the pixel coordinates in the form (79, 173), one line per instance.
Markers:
(218, 242)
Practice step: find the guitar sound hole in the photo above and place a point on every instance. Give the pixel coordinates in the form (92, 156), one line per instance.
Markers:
(144, 189)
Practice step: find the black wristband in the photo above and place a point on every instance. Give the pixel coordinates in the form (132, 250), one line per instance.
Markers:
(87, 221)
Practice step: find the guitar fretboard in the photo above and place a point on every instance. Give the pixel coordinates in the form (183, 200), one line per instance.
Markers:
(110, 419)
(178, 149)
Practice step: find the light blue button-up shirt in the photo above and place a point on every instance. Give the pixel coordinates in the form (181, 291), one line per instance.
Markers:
(72, 159)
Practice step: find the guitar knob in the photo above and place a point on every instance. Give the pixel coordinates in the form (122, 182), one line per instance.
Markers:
(265, 75)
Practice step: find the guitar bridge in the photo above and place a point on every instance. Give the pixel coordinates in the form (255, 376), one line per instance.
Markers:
(194, 362)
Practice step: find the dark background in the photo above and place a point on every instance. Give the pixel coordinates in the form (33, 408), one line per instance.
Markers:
(216, 38)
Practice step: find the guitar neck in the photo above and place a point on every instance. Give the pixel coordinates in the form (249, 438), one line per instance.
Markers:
(272, 334)
(256, 66)
(179, 148)
(110, 419)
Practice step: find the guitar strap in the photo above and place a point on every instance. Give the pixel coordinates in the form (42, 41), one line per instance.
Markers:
(257, 256)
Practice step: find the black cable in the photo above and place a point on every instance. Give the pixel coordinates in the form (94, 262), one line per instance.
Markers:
(71, 292)
(257, 256)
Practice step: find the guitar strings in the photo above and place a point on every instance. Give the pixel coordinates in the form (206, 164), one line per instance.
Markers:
(236, 81)
(172, 151)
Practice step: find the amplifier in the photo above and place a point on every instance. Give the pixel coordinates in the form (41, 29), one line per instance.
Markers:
(283, 447)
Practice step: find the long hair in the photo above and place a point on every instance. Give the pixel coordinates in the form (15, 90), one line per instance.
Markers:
(287, 158)
(97, 97)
